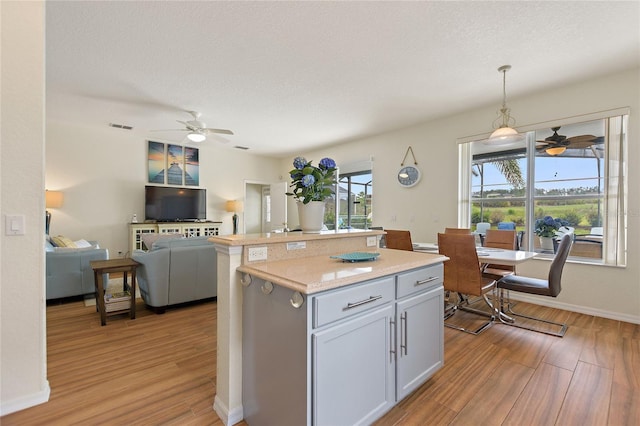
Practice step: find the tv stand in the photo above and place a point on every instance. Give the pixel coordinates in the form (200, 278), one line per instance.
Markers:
(188, 229)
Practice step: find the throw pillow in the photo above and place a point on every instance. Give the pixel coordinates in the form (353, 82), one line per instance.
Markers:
(62, 241)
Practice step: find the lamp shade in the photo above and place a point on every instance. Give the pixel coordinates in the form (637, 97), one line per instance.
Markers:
(505, 135)
(556, 150)
(53, 199)
(234, 206)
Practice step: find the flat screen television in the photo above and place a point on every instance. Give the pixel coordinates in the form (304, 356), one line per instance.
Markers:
(167, 204)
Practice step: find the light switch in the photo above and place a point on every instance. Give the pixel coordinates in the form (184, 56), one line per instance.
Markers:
(14, 224)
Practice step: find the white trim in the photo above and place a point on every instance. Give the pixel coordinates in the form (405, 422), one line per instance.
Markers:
(227, 417)
(553, 303)
(8, 407)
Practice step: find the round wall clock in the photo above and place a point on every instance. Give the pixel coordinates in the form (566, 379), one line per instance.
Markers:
(408, 176)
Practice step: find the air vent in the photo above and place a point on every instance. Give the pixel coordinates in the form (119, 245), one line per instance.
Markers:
(120, 126)
(241, 147)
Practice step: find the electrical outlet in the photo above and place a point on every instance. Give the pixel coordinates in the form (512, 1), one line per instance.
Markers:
(372, 241)
(257, 253)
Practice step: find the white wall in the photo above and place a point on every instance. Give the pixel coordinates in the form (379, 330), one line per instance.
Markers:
(430, 206)
(23, 356)
(102, 172)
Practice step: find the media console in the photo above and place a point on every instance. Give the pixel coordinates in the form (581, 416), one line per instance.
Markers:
(188, 229)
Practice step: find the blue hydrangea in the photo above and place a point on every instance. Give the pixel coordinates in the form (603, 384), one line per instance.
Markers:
(548, 220)
(299, 163)
(308, 180)
(327, 163)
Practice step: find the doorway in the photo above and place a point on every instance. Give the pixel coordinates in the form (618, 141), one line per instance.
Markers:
(265, 207)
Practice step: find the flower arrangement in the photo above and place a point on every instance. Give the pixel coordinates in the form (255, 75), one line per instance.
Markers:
(311, 183)
(547, 226)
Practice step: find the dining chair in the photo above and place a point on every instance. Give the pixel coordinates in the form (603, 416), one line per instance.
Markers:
(457, 230)
(462, 276)
(550, 287)
(481, 230)
(501, 239)
(399, 240)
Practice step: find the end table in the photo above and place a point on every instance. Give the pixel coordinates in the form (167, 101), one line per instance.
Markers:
(126, 266)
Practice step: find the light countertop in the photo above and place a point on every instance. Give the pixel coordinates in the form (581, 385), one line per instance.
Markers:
(276, 237)
(318, 273)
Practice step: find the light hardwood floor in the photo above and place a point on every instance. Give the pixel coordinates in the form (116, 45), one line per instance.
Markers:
(160, 369)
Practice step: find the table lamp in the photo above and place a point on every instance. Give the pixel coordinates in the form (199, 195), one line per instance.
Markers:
(53, 200)
(234, 206)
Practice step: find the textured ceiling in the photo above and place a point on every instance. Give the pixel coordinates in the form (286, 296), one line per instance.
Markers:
(286, 76)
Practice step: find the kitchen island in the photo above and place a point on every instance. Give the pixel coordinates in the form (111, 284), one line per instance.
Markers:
(315, 340)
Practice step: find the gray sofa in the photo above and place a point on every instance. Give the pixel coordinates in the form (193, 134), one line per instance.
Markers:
(68, 272)
(176, 271)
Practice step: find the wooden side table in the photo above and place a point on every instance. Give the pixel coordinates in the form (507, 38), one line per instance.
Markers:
(126, 266)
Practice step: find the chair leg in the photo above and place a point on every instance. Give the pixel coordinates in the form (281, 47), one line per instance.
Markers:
(459, 306)
(506, 315)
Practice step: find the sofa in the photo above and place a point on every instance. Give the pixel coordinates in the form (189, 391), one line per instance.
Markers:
(68, 272)
(176, 271)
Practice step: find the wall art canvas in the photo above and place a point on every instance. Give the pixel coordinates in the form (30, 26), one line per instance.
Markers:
(156, 162)
(191, 166)
(175, 165)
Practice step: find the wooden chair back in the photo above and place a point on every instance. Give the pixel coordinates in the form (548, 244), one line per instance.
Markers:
(462, 271)
(399, 240)
(504, 239)
(457, 230)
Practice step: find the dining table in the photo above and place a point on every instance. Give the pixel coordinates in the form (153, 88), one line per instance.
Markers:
(487, 255)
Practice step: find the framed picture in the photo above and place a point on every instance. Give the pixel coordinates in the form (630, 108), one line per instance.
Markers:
(175, 165)
(156, 161)
(191, 167)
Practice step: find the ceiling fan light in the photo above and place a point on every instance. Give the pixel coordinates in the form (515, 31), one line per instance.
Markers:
(556, 150)
(196, 137)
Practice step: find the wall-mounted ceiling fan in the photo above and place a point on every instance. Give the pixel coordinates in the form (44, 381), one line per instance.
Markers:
(557, 144)
(197, 130)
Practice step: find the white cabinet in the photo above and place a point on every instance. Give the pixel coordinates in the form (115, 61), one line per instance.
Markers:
(188, 229)
(345, 356)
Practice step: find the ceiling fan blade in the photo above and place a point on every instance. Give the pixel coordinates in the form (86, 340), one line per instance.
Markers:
(169, 130)
(221, 131)
(217, 138)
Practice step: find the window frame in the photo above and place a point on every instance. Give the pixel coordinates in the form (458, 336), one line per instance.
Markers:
(615, 183)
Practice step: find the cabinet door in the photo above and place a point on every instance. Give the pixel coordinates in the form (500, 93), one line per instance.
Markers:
(353, 369)
(420, 339)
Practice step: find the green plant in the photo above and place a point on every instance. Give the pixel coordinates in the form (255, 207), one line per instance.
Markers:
(311, 183)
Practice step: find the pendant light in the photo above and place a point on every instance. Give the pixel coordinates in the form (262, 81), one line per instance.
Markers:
(504, 134)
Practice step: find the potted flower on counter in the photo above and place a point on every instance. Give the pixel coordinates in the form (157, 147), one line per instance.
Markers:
(312, 185)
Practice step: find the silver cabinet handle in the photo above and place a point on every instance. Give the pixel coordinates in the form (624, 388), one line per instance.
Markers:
(403, 332)
(392, 344)
(362, 302)
(428, 280)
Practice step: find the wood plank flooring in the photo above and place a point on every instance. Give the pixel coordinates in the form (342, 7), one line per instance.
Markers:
(160, 369)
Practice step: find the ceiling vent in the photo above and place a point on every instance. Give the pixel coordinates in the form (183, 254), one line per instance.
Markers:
(120, 126)
(241, 147)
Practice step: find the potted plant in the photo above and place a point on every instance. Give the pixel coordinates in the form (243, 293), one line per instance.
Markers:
(312, 185)
(546, 228)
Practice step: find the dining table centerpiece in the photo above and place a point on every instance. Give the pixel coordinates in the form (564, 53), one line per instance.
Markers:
(311, 187)
(546, 229)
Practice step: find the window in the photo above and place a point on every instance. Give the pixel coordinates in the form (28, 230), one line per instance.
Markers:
(355, 200)
(572, 171)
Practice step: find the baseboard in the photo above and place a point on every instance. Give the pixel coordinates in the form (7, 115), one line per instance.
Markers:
(8, 407)
(228, 417)
(553, 303)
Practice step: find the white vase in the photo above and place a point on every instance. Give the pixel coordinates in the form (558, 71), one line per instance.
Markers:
(311, 216)
(546, 243)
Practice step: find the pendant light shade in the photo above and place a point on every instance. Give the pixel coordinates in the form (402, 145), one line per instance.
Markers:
(505, 133)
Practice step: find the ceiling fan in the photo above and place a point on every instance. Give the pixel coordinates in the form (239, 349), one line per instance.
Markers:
(557, 144)
(198, 130)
